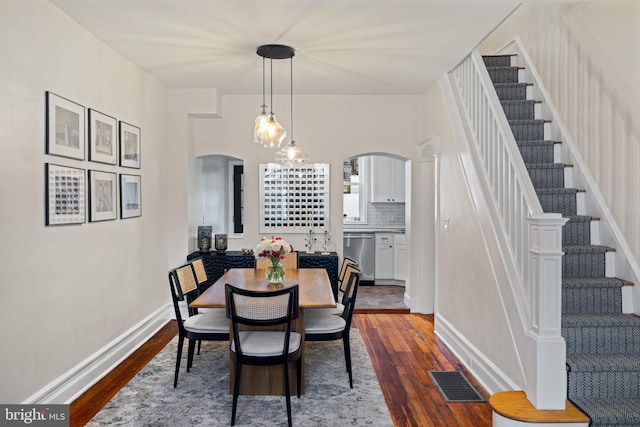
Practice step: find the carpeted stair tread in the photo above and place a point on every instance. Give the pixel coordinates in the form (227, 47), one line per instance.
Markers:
(614, 412)
(591, 295)
(519, 109)
(497, 60)
(600, 320)
(592, 282)
(603, 363)
(577, 230)
(559, 200)
(536, 151)
(527, 130)
(506, 74)
(579, 218)
(584, 249)
(511, 91)
(546, 175)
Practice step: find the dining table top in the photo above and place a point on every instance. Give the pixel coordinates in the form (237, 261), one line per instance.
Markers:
(314, 286)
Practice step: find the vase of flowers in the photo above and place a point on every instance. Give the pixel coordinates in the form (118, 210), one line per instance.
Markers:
(273, 249)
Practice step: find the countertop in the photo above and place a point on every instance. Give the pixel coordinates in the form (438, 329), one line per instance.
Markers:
(373, 230)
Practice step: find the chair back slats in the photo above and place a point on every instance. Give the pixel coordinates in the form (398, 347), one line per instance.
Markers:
(343, 271)
(350, 271)
(268, 308)
(186, 280)
(262, 308)
(349, 300)
(201, 273)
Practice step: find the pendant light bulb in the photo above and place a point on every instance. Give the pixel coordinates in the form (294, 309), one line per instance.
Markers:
(272, 134)
(260, 126)
(291, 155)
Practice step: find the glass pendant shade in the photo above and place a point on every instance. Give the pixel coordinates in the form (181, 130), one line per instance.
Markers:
(291, 155)
(260, 127)
(272, 135)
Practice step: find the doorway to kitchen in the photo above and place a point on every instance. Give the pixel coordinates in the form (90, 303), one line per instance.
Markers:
(374, 225)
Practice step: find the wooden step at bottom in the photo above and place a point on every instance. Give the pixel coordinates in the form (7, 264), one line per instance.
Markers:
(514, 405)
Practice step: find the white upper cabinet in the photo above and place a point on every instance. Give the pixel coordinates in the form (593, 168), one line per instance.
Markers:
(387, 180)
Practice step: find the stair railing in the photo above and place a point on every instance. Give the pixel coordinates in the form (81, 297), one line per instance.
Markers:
(530, 241)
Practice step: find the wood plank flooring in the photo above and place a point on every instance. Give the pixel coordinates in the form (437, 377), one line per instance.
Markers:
(403, 348)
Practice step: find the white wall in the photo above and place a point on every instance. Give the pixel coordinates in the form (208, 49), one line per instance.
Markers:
(329, 128)
(467, 296)
(67, 291)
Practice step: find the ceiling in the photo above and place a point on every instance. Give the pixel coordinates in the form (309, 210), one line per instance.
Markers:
(353, 47)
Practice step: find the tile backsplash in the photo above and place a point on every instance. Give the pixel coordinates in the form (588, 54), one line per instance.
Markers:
(382, 215)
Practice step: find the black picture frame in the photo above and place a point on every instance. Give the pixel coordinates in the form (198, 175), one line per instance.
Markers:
(65, 127)
(65, 199)
(130, 196)
(130, 143)
(103, 202)
(103, 138)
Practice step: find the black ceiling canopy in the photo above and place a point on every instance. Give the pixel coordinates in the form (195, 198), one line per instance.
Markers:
(276, 51)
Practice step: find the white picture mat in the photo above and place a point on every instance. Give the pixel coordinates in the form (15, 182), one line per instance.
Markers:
(65, 127)
(103, 193)
(130, 196)
(103, 138)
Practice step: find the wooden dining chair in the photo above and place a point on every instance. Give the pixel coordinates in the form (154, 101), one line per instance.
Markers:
(290, 261)
(322, 325)
(263, 346)
(210, 326)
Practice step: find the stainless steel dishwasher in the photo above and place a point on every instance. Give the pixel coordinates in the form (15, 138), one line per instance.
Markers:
(361, 247)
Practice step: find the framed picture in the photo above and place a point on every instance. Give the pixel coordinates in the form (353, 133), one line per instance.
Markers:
(102, 196)
(129, 146)
(64, 127)
(65, 199)
(130, 196)
(102, 138)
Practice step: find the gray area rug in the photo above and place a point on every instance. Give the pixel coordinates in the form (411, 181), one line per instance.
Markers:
(202, 398)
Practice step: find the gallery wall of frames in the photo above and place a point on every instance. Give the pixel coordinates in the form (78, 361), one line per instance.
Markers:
(107, 191)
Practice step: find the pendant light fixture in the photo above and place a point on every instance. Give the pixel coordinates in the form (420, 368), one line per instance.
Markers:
(291, 155)
(261, 121)
(271, 134)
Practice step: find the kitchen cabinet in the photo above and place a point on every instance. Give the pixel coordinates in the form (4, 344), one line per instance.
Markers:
(387, 180)
(384, 256)
(399, 257)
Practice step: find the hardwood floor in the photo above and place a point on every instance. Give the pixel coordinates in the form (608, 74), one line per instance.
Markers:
(403, 348)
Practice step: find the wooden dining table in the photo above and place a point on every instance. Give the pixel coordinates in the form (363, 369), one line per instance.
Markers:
(314, 292)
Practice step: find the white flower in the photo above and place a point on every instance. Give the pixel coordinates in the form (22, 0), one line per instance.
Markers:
(274, 248)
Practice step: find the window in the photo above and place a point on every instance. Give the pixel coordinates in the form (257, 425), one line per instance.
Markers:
(236, 197)
(354, 194)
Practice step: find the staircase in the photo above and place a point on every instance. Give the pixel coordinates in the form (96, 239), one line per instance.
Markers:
(603, 344)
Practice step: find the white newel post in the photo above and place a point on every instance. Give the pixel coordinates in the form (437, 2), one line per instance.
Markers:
(546, 374)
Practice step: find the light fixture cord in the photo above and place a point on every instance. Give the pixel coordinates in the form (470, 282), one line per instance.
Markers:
(263, 91)
(271, 77)
(291, 61)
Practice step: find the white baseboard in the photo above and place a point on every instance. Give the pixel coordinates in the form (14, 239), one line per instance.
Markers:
(483, 370)
(77, 380)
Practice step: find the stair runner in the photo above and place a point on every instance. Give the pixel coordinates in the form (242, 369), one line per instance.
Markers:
(603, 344)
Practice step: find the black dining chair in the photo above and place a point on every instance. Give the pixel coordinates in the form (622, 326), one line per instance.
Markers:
(323, 325)
(342, 285)
(209, 326)
(259, 310)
